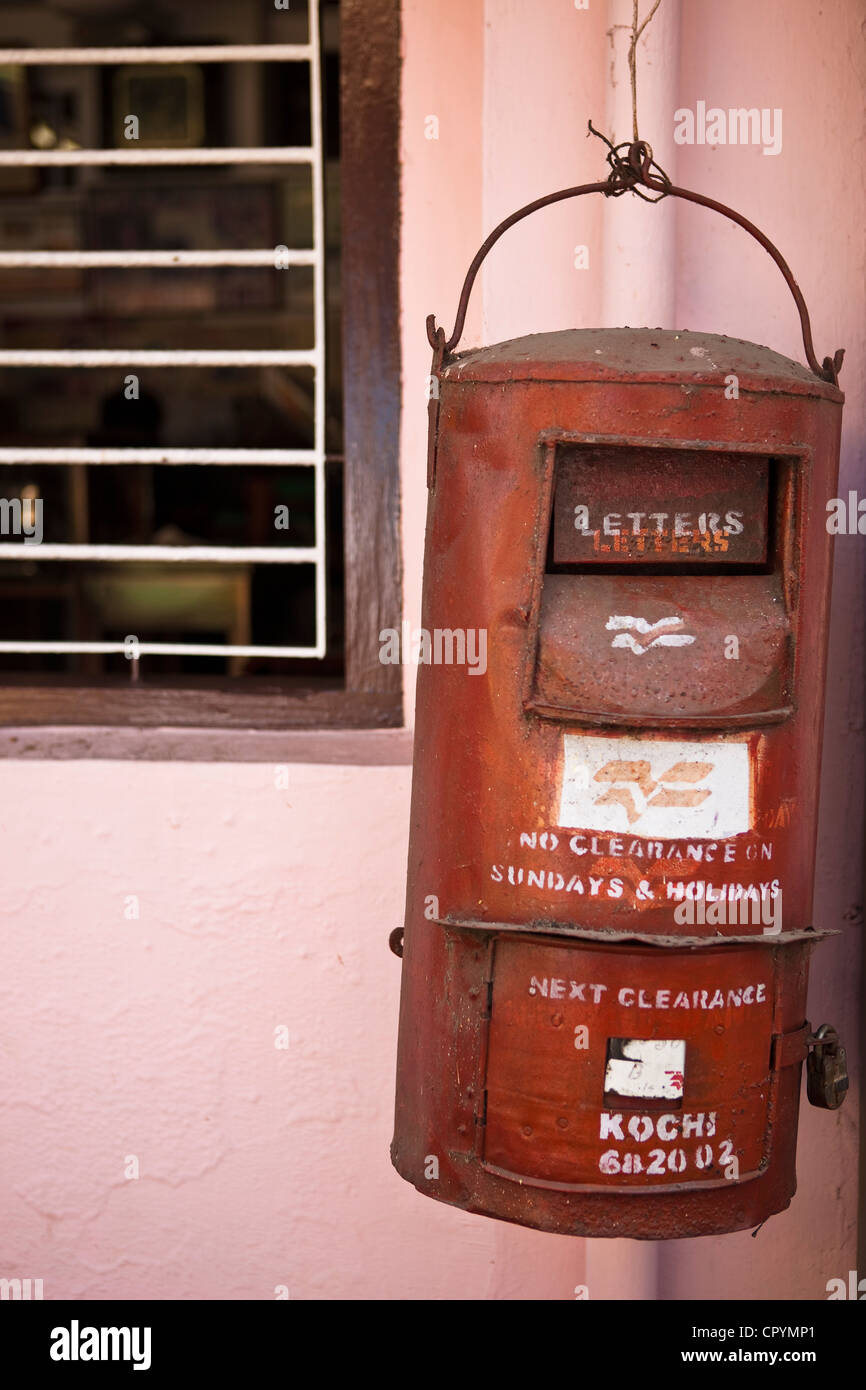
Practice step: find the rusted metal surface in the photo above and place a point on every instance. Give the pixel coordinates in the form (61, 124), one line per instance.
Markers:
(580, 793)
(544, 1117)
(593, 661)
(651, 507)
(627, 357)
(617, 938)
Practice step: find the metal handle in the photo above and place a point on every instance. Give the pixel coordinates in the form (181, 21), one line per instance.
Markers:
(627, 171)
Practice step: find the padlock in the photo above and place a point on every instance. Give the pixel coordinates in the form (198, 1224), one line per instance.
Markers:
(826, 1069)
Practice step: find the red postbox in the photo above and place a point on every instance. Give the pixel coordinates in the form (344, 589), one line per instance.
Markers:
(608, 922)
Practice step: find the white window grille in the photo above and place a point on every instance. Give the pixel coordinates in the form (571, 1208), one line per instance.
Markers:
(314, 358)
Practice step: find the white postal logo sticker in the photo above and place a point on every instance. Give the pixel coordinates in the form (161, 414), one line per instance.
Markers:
(657, 789)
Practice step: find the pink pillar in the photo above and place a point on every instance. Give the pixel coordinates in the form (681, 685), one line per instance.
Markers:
(640, 241)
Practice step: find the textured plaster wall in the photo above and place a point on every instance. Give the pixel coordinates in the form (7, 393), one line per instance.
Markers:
(153, 1039)
(264, 907)
(811, 199)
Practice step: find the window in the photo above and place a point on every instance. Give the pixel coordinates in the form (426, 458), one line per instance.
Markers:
(198, 487)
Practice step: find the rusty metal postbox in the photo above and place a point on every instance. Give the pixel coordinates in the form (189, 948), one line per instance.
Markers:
(608, 923)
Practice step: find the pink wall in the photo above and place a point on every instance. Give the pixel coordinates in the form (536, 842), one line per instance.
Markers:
(262, 907)
(154, 1037)
(817, 77)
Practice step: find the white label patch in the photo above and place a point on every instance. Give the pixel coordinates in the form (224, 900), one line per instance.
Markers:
(651, 1070)
(660, 790)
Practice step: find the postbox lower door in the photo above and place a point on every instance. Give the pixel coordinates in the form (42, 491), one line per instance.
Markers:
(613, 1070)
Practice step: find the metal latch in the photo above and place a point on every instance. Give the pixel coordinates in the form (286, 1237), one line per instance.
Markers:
(826, 1068)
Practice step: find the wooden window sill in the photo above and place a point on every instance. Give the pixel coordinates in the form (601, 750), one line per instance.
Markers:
(391, 747)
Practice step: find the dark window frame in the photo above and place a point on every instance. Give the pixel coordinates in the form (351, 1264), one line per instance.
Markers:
(372, 693)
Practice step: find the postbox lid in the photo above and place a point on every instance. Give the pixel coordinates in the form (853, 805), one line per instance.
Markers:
(639, 354)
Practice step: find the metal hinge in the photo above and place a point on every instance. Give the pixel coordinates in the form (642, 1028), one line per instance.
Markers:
(788, 1049)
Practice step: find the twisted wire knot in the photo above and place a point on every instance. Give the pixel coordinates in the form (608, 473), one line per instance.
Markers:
(632, 164)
